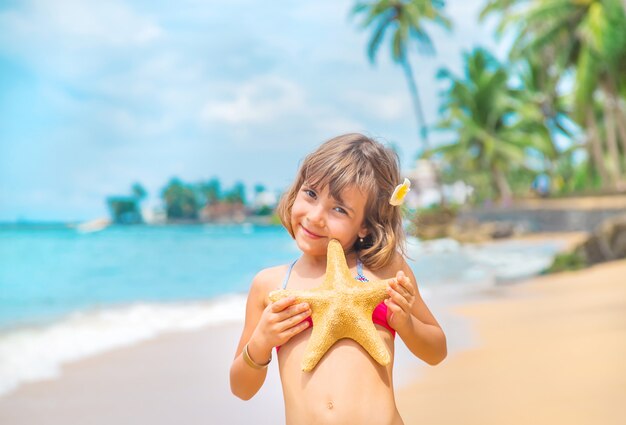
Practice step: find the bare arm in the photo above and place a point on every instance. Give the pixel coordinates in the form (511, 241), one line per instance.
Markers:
(412, 319)
(265, 327)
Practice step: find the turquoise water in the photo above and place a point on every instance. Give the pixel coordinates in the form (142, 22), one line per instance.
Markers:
(48, 272)
(66, 295)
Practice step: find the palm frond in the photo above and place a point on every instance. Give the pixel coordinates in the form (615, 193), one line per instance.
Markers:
(377, 37)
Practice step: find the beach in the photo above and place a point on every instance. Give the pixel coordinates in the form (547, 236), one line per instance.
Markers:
(550, 351)
(545, 350)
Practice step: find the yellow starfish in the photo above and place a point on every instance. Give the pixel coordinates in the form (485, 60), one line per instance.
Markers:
(341, 308)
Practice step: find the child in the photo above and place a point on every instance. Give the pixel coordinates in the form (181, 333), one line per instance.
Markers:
(342, 191)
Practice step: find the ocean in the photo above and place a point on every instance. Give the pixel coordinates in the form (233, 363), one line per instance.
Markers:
(66, 295)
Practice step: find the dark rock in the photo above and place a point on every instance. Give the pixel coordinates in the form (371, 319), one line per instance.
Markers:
(607, 243)
(502, 230)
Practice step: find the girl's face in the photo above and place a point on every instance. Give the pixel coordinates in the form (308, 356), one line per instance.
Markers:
(317, 217)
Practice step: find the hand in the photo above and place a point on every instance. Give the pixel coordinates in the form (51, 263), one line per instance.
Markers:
(401, 297)
(280, 322)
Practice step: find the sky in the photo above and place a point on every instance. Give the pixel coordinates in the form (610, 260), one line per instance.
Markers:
(95, 96)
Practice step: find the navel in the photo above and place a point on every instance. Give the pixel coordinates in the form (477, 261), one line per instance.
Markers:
(330, 405)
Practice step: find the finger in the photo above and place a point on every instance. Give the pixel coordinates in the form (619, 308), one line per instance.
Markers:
(294, 330)
(408, 285)
(399, 299)
(292, 310)
(393, 307)
(403, 280)
(283, 303)
(295, 319)
(396, 286)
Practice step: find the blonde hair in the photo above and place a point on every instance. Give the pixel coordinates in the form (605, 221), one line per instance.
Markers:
(356, 160)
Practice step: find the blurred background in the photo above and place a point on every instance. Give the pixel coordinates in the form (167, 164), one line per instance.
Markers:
(144, 147)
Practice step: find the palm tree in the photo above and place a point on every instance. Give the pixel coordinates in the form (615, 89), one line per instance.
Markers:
(405, 20)
(588, 37)
(602, 57)
(541, 101)
(138, 191)
(494, 132)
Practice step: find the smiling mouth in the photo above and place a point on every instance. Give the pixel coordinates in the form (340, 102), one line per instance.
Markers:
(309, 233)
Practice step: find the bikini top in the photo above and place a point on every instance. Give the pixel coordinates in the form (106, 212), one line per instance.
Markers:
(379, 315)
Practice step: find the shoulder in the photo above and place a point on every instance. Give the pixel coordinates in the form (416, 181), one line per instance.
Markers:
(397, 262)
(270, 275)
(267, 280)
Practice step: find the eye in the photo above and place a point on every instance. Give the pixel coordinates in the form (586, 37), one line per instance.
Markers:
(341, 210)
(310, 193)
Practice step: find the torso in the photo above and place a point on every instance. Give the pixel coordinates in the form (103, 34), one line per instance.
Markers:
(347, 385)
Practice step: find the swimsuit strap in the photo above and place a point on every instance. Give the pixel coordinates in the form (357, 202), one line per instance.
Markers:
(288, 273)
(359, 271)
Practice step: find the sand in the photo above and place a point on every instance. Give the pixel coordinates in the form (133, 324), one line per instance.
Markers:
(179, 378)
(547, 351)
(550, 351)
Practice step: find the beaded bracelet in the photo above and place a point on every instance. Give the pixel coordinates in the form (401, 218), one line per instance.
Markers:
(252, 363)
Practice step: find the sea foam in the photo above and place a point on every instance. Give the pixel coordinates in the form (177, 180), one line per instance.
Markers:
(30, 354)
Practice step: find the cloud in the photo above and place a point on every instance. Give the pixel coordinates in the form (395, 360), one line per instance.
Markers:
(74, 39)
(386, 107)
(261, 100)
(273, 109)
(123, 90)
(93, 23)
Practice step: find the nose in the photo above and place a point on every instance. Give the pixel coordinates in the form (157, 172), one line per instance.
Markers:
(316, 216)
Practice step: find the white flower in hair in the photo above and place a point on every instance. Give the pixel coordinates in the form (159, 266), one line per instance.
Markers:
(399, 193)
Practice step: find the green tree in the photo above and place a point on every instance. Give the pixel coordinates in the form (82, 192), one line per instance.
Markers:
(138, 191)
(259, 188)
(210, 191)
(588, 38)
(236, 195)
(127, 209)
(541, 102)
(483, 111)
(180, 200)
(405, 21)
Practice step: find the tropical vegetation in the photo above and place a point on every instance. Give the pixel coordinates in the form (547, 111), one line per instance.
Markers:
(582, 46)
(189, 202)
(555, 109)
(186, 201)
(127, 209)
(405, 21)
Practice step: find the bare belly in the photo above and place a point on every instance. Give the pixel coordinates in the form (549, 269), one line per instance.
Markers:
(347, 386)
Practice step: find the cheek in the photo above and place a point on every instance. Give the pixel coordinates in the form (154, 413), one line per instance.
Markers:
(296, 211)
(296, 207)
(341, 225)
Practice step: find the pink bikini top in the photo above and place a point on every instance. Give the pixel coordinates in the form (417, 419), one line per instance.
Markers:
(379, 316)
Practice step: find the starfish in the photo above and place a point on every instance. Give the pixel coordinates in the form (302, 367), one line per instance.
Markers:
(341, 308)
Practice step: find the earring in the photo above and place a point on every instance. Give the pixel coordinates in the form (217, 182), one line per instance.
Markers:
(360, 240)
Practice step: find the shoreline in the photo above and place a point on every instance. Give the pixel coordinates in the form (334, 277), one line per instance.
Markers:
(183, 375)
(178, 377)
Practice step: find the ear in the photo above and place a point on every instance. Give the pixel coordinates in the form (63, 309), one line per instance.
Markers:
(363, 232)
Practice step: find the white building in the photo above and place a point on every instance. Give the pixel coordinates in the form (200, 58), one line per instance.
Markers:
(426, 191)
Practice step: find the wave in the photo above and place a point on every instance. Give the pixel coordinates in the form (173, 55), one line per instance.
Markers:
(36, 353)
(452, 262)
(444, 268)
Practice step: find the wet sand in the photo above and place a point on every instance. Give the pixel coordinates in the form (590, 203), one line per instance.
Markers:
(179, 378)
